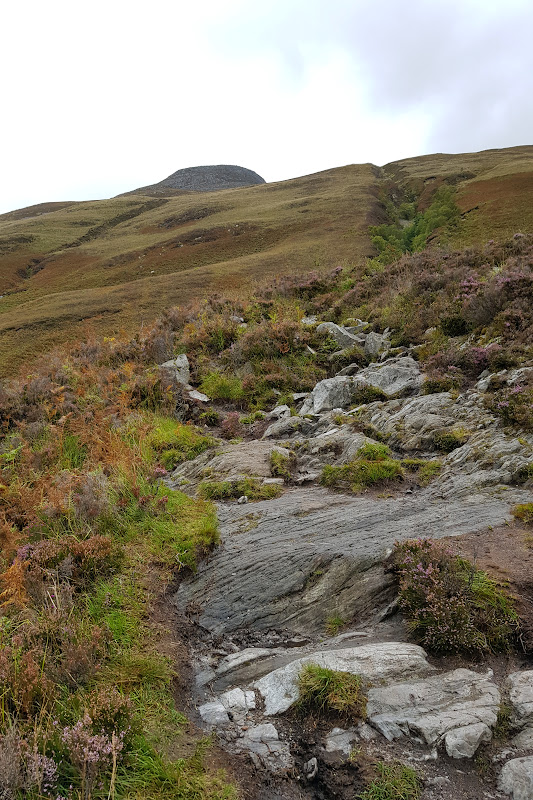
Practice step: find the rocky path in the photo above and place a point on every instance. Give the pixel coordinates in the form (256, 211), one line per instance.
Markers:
(261, 604)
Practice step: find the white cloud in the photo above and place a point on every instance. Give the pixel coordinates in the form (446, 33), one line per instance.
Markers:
(100, 98)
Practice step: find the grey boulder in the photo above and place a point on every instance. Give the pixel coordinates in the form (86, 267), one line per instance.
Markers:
(516, 778)
(458, 707)
(179, 369)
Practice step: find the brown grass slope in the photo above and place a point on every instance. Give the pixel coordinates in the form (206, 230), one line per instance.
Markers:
(115, 264)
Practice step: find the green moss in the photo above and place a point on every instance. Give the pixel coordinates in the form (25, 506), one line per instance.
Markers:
(449, 440)
(523, 512)
(425, 470)
(280, 465)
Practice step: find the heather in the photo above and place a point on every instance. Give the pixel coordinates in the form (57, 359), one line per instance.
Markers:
(86, 527)
(450, 605)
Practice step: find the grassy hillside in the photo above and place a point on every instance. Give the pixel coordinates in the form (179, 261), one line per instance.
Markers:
(115, 264)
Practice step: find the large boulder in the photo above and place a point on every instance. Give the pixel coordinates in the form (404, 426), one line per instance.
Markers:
(459, 707)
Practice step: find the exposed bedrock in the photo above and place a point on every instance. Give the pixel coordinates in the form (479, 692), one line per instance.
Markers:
(295, 561)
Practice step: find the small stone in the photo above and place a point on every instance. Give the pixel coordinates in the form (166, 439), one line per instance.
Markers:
(463, 742)
(196, 395)
(242, 499)
(311, 768)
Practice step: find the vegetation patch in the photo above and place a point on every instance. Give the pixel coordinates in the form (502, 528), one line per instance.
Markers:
(393, 781)
(172, 443)
(373, 466)
(281, 465)
(252, 488)
(325, 690)
(452, 607)
(448, 440)
(523, 512)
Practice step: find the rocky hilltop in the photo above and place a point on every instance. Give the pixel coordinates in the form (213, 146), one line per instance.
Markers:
(203, 179)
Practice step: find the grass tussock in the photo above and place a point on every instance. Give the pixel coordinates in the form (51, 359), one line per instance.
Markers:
(325, 690)
(393, 781)
(252, 488)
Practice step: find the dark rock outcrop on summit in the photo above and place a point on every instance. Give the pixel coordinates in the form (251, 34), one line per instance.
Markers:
(203, 179)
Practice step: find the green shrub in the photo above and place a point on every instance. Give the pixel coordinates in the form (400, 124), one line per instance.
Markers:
(450, 606)
(324, 690)
(374, 452)
(394, 781)
(231, 490)
(222, 387)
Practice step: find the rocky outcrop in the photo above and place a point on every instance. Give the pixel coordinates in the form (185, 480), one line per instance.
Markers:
(393, 377)
(373, 663)
(459, 707)
(294, 561)
(203, 179)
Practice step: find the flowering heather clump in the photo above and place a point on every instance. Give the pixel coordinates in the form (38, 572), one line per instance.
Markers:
(514, 404)
(450, 606)
(93, 754)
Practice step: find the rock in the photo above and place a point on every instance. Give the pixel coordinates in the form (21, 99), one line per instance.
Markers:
(179, 368)
(236, 700)
(285, 427)
(329, 393)
(311, 320)
(524, 739)
(341, 741)
(516, 778)
(280, 412)
(521, 697)
(459, 706)
(395, 376)
(310, 768)
(196, 395)
(375, 343)
(242, 499)
(230, 462)
(463, 742)
(373, 662)
(489, 458)
(242, 657)
(355, 326)
(340, 334)
(310, 554)
(263, 742)
(214, 714)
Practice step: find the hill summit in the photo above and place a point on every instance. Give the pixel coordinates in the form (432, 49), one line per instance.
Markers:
(203, 179)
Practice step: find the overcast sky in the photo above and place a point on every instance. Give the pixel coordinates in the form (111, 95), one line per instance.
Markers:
(101, 97)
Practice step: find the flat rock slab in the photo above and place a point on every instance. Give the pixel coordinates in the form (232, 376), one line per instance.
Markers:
(297, 560)
(521, 697)
(374, 662)
(459, 707)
